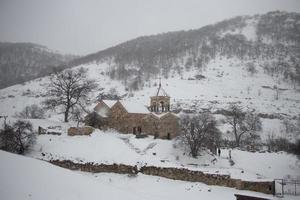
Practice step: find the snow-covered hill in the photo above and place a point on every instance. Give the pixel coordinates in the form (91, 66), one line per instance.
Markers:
(21, 62)
(112, 147)
(36, 179)
(225, 82)
(267, 44)
(250, 60)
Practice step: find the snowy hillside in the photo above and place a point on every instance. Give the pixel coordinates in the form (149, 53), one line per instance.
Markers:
(40, 180)
(225, 83)
(21, 62)
(262, 44)
(225, 102)
(244, 60)
(111, 147)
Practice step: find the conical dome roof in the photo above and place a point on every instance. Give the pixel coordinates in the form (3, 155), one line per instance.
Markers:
(161, 91)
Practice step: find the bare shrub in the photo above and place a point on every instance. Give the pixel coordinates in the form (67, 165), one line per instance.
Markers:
(17, 138)
(32, 112)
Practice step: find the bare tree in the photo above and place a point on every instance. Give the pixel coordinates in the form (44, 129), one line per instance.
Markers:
(68, 89)
(32, 112)
(77, 115)
(24, 136)
(242, 123)
(198, 131)
(18, 137)
(7, 138)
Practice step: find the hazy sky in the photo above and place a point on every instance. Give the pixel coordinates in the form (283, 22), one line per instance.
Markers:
(86, 26)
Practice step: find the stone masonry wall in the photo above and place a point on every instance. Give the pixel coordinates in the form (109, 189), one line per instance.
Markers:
(96, 168)
(171, 173)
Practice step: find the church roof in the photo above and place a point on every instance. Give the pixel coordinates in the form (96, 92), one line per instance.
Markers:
(102, 111)
(134, 107)
(110, 103)
(160, 91)
(130, 107)
(161, 115)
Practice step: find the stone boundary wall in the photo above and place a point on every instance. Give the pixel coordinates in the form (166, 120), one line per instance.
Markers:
(209, 179)
(96, 168)
(171, 173)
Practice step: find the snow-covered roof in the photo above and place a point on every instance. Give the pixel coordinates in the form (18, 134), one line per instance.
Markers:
(110, 103)
(134, 107)
(160, 91)
(102, 112)
(160, 115)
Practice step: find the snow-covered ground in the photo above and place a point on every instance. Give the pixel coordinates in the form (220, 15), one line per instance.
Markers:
(26, 178)
(226, 82)
(112, 147)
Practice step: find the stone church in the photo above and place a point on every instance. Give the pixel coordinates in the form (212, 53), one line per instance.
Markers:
(129, 117)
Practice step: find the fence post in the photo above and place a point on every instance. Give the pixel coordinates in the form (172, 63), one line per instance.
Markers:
(282, 187)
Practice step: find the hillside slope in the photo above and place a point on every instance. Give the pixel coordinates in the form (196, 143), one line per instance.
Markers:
(27, 178)
(20, 62)
(269, 43)
(235, 74)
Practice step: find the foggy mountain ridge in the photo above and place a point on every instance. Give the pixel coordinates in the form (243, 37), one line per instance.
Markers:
(270, 41)
(20, 62)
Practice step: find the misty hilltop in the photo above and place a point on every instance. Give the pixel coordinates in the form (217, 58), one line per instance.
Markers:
(20, 62)
(270, 41)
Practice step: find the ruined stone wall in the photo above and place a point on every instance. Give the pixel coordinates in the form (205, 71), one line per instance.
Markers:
(188, 175)
(171, 173)
(209, 179)
(86, 130)
(96, 168)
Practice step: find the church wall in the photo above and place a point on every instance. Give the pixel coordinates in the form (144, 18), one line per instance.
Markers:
(119, 119)
(123, 121)
(151, 125)
(169, 124)
(156, 101)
